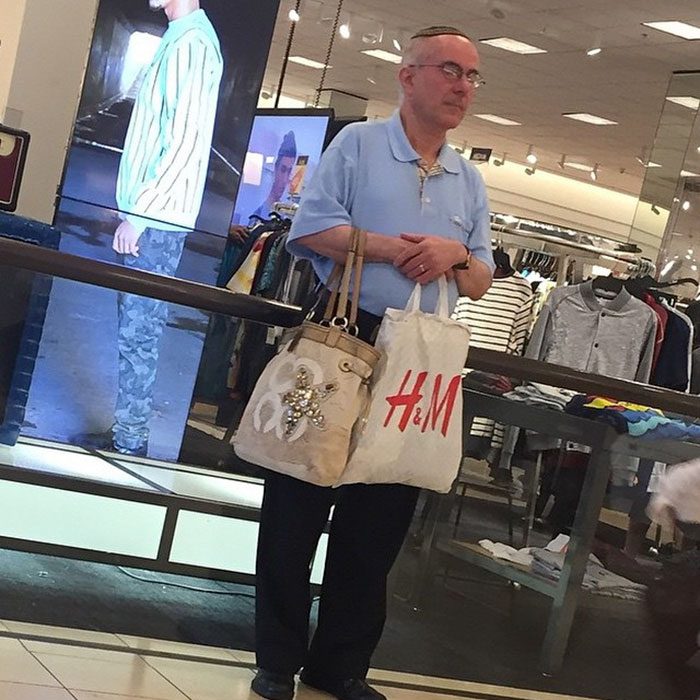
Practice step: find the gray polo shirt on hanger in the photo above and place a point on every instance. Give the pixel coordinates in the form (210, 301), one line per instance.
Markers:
(613, 337)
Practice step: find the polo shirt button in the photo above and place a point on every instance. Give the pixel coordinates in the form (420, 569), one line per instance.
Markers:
(595, 345)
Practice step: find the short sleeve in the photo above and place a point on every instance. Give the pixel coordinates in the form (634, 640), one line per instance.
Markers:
(327, 200)
(479, 241)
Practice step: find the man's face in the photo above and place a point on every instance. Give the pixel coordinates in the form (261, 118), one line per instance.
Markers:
(283, 173)
(435, 96)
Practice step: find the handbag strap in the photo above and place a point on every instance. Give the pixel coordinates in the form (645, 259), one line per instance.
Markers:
(339, 282)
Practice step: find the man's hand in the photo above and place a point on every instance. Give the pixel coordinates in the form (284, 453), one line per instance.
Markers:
(429, 257)
(126, 239)
(238, 233)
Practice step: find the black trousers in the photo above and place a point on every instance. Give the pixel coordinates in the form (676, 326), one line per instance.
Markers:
(368, 528)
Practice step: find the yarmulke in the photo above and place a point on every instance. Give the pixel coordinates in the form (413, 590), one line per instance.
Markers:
(439, 30)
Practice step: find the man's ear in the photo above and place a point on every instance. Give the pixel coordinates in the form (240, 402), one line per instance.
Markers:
(406, 75)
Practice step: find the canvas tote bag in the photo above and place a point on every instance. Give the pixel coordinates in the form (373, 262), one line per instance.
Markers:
(413, 432)
(302, 412)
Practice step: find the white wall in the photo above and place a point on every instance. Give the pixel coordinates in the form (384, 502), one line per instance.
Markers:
(45, 89)
(11, 16)
(559, 200)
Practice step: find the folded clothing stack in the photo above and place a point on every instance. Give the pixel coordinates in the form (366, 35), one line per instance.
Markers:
(534, 394)
(633, 419)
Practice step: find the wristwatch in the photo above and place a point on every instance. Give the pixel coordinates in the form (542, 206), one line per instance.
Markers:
(464, 265)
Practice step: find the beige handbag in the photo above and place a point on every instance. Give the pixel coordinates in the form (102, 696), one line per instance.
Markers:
(302, 412)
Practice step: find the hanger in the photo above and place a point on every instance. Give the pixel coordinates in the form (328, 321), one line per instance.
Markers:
(502, 260)
(607, 284)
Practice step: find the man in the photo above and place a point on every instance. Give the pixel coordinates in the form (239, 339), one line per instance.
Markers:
(427, 215)
(160, 185)
(282, 174)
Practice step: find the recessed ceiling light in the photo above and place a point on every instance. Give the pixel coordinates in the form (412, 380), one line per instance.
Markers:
(383, 55)
(686, 101)
(685, 206)
(344, 30)
(588, 118)
(651, 164)
(682, 29)
(309, 63)
(531, 156)
(513, 45)
(594, 51)
(497, 120)
(688, 173)
(294, 16)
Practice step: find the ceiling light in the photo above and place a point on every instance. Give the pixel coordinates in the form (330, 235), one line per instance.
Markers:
(579, 166)
(594, 51)
(371, 79)
(588, 118)
(688, 173)
(499, 163)
(382, 55)
(690, 251)
(294, 16)
(594, 172)
(512, 45)
(694, 268)
(686, 101)
(681, 29)
(688, 257)
(344, 30)
(497, 120)
(686, 205)
(531, 156)
(309, 63)
(397, 45)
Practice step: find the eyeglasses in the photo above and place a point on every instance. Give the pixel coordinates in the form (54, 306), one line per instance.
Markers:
(454, 72)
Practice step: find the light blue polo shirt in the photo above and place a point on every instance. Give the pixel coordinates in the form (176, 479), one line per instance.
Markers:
(368, 178)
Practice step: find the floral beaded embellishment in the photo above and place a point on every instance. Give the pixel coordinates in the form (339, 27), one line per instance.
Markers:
(304, 401)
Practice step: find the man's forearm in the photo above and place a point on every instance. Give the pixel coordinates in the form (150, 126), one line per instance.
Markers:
(333, 243)
(475, 281)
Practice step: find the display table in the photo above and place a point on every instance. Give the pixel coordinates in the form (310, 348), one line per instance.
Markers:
(603, 441)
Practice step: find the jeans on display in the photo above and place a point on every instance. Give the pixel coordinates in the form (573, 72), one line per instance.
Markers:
(368, 528)
(141, 321)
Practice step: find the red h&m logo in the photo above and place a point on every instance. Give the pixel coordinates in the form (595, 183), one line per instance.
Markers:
(410, 400)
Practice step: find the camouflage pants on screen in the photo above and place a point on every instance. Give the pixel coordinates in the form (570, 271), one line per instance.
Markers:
(141, 324)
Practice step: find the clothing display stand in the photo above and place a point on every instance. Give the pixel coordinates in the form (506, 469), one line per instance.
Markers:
(604, 441)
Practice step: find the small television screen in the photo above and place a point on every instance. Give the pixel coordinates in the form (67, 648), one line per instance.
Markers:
(283, 152)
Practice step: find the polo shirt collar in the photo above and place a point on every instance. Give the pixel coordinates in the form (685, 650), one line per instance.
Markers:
(403, 151)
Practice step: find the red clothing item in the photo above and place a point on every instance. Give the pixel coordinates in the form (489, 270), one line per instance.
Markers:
(662, 316)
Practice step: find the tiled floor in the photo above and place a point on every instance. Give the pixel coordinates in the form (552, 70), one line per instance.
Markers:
(55, 663)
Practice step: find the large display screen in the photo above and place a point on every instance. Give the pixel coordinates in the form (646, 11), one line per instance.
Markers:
(284, 149)
(160, 138)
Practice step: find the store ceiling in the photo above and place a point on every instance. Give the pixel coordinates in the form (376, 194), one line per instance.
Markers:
(626, 82)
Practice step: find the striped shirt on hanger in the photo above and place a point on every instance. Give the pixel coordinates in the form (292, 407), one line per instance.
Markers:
(164, 165)
(499, 321)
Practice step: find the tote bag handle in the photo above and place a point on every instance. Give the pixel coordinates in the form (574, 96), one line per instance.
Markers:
(442, 308)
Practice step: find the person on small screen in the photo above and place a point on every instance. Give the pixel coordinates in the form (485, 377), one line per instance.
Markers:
(282, 175)
(160, 185)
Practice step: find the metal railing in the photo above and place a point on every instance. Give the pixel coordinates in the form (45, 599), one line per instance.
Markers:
(216, 300)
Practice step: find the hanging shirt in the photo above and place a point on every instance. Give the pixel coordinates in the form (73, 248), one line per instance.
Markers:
(614, 338)
(672, 369)
(499, 321)
(163, 169)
